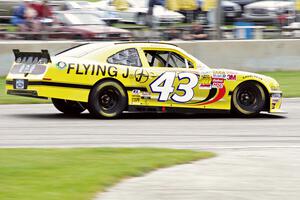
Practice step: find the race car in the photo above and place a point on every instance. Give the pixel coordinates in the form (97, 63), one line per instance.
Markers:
(109, 78)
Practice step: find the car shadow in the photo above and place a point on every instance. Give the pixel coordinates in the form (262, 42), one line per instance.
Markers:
(141, 116)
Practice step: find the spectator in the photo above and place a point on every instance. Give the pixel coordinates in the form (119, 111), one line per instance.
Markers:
(282, 19)
(151, 5)
(197, 33)
(19, 18)
(150, 13)
(43, 10)
(172, 34)
(24, 17)
(44, 14)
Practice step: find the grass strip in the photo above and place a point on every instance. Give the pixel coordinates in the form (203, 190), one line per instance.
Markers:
(79, 173)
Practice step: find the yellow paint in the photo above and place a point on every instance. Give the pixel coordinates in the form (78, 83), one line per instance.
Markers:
(181, 5)
(121, 4)
(209, 5)
(298, 5)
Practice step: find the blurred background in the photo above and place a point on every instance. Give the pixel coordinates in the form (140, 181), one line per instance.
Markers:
(107, 20)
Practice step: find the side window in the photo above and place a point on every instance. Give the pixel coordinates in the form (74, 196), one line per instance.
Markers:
(128, 57)
(180, 62)
(166, 59)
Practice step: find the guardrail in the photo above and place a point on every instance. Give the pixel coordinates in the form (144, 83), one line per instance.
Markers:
(249, 55)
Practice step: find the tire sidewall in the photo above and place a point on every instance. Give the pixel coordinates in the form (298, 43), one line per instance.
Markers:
(261, 99)
(68, 107)
(94, 105)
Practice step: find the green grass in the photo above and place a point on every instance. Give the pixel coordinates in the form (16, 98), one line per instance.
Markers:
(289, 82)
(9, 28)
(78, 174)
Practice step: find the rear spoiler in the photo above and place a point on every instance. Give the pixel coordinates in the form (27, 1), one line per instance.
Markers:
(44, 54)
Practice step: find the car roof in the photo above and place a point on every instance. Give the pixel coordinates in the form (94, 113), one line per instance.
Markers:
(87, 48)
(146, 44)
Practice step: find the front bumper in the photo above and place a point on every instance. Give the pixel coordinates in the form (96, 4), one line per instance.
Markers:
(276, 102)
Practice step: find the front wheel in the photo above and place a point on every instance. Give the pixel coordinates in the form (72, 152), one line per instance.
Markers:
(248, 99)
(68, 107)
(107, 99)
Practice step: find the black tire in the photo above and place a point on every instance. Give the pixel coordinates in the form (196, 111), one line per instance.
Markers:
(248, 99)
(68, 107)
(107, 99)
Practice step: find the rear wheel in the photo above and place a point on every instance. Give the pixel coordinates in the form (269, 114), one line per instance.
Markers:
(107, 99)
(248, 99)
(68, 107)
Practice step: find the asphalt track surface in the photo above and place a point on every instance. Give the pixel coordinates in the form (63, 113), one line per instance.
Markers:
(43, 126)
(258, 158)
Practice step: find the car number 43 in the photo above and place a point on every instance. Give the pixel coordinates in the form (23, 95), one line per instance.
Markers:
(164, 85)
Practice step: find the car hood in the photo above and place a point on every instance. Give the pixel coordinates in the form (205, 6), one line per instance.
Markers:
(99, 29)
(242, 76)
(270, 4)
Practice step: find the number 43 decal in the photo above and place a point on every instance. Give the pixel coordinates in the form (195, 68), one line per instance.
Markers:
(164, 86)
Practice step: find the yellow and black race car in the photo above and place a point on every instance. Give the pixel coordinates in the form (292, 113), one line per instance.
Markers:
(109, 78)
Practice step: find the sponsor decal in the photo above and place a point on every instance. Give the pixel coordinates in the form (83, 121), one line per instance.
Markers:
(219, 74)
(231, 77)
(205, 82)
(88, 69)
(276, 96)
(20, 84)
(251, 76)
(146, 95)
(141, 75)
(223, 75)
(136, 100)
(205, 86)
(217, 83)
(61, 65)
(136, 92)
(92, 69)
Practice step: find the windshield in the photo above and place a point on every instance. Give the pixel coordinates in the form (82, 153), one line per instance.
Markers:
(83, 19)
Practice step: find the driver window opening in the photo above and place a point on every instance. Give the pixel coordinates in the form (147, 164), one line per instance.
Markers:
(166, 59)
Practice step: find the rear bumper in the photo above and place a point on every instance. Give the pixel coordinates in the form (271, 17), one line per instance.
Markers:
(46, 89)
(25, 93)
